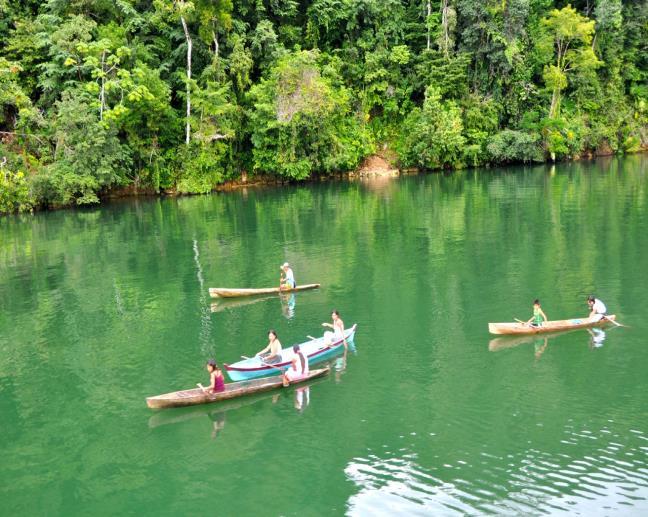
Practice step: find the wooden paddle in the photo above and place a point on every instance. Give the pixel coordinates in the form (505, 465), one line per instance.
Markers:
(263, 362)
(615, 322)
(520, 321)
(202, 388)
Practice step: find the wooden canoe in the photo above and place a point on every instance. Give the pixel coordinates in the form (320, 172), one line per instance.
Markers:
(223, 292)
(547, 326)
(232, 390)
(159, 418)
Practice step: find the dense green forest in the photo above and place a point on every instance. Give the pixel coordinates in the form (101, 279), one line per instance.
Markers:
(99, 96)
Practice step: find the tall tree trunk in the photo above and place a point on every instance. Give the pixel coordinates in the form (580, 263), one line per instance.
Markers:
(102, 90)
(555, 103)
(189, 48)
(446, 30)
(216, 46)
(427, 21)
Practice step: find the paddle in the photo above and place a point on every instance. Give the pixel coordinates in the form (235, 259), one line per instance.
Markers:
(613, 321)
(267, 364)
(312, 338)
(205, 390)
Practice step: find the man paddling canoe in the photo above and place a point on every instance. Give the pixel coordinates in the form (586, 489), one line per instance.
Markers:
(272, 352)
(598, 311)
(287, 279)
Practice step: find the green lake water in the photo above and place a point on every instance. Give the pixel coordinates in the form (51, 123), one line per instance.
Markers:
(428, 414)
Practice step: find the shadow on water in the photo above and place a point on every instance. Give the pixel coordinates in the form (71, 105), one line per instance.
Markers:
(288, 303)
(595, 338)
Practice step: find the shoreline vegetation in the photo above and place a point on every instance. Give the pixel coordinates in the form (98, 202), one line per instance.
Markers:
(103, 99)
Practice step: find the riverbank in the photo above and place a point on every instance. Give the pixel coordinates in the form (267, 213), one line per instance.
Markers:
(373, 167)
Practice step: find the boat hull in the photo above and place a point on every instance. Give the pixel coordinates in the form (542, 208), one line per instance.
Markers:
(224, 292)
(197, 396)
(316, 350)
(514, 329)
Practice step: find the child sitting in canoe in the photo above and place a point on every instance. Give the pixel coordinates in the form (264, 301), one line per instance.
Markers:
(538, 315)
(216, 379)
(298, 369)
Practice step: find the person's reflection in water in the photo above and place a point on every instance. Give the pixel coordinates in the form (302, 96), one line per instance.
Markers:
(302, 398)
(288, 302)
(218, 422)
(340, 366)
(597, 337)
(540, 348)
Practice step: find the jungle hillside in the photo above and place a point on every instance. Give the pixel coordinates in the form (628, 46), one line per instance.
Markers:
(99, 97)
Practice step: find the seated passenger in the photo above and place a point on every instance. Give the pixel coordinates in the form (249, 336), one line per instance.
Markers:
(216, 379)
(338, 329)
(538, 315)
(598, 311)
(299, 367)
(272, 352)
(287, 279)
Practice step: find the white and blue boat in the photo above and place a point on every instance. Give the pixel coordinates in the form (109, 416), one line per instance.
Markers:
(316, 350)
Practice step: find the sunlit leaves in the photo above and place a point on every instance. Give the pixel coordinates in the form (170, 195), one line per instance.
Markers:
(432, 136)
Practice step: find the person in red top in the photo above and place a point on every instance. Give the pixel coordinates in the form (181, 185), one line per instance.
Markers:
(216, 379)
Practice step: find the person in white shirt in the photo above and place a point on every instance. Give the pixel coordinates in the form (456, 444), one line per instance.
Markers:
(597, 309)
(299, 367)
(287, 280)
(338, 329)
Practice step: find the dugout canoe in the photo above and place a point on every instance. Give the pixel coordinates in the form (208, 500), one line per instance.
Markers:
(224, 292)
(232, 390)
(548, 326)
(160, 418)
(316, 350)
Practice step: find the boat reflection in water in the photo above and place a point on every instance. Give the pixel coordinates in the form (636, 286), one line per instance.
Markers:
(233, 303)
(288, 302)
(541, 341)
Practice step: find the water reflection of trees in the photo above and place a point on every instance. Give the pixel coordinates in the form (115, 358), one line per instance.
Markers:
(106, 300)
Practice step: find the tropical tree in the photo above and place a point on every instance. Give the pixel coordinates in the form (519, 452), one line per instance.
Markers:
(571, 37)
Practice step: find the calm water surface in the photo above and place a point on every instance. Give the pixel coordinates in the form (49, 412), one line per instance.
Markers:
(428, 415)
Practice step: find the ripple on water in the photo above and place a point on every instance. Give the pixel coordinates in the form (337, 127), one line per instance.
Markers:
(613, 476)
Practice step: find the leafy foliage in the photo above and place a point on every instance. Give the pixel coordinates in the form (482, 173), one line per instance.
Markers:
(182, 95)
(432, 135)
(302, 123)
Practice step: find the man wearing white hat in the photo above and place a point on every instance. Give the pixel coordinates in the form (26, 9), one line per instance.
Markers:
(287, 280)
